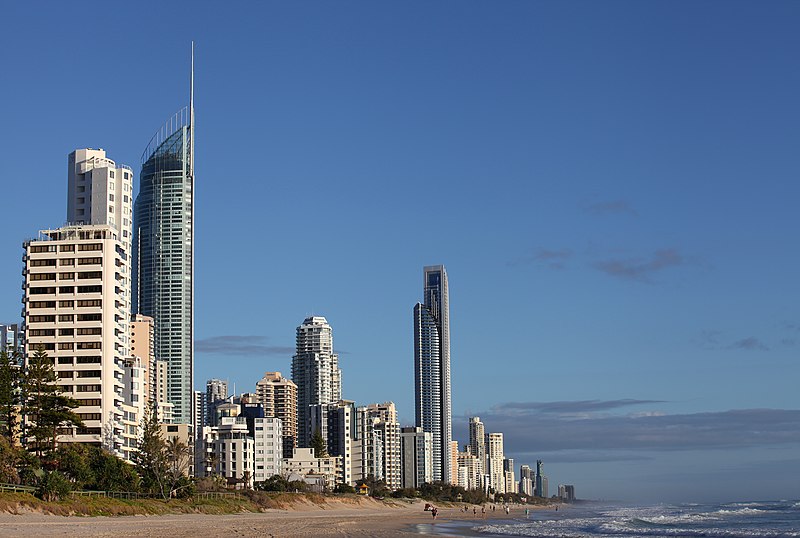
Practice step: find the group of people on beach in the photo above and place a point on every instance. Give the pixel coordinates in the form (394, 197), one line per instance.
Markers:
(465, 509)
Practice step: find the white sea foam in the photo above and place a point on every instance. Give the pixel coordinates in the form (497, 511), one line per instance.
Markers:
(740, 511)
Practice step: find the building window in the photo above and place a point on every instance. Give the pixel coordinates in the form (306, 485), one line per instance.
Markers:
(90, 261)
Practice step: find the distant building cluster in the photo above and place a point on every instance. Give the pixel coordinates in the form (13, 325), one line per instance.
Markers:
(109, 297)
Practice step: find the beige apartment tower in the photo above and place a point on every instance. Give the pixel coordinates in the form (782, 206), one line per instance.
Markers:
(278, 396)
(77, 298)
(76, 308)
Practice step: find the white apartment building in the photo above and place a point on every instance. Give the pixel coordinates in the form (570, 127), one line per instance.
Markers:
(477, 444)
(315, 371)
(303, 462)
(378, 433)
(77, 306)
(231, 450)
(268, 437)
(495, 457)
(134, 393)
(470, 470)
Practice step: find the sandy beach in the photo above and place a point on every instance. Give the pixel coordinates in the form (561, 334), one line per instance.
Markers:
(356, 522)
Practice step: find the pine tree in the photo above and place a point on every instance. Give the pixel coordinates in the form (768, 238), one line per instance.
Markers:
(151, 459)
(318, 444)
(9, 393)
(46, 407)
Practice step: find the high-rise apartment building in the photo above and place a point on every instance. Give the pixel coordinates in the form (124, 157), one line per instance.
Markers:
(495, 457)
(469, 470)
(315, 371)
(216, 390)
(378, 433)
(100, 192)
(336, 423)
(77, 301)
(432, 368)
(508, 473)
(164, 251)
(477, 444)
(527, 479)
(76, 308)
(416, 457)
(278, 396)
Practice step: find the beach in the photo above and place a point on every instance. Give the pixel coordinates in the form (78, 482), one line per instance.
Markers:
(408, 520)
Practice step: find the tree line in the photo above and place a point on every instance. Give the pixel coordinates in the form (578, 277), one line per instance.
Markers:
(34, 410)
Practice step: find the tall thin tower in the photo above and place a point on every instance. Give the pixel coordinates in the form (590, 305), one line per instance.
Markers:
(432, 367)
(315, 371)
(164, 256)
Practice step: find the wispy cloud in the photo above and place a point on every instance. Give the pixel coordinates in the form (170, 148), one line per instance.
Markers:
(241, 345)
(611, 207)
(714, 340)
(553, 259)
(579, 406)
(546, 431)
(750, 343)
(641, 269)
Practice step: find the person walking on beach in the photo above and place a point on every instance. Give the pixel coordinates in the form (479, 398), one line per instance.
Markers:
(474, 512)
(434, 512)
(483, 512)
(508, 510)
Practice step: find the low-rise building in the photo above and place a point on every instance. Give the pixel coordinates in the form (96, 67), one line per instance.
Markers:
(304, 463)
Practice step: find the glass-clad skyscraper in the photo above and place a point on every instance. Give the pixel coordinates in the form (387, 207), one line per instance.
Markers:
(432, 367)
(163, 268)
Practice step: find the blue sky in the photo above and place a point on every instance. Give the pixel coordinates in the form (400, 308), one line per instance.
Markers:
(612, 187)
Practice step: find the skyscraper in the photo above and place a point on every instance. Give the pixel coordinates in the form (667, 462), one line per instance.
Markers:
(477, 444)
(432, 367)
(164, 251)
(315, 371)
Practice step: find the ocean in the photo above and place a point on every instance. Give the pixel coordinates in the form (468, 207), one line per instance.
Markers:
(772, 519)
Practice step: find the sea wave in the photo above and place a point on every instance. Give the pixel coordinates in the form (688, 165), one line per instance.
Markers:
(740, 511)
(538, 530)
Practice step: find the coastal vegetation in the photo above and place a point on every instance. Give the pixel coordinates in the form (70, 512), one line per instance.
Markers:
(38, 473)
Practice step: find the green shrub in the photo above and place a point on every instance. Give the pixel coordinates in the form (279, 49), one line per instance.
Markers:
(53, 486)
